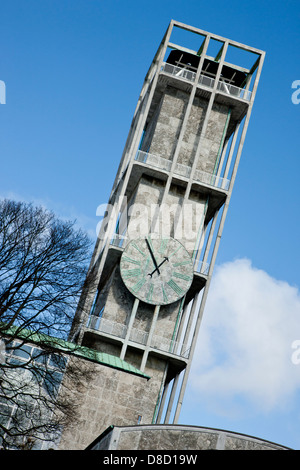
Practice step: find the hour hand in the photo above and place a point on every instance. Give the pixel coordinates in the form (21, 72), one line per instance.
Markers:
(156, 269)
(152, 256)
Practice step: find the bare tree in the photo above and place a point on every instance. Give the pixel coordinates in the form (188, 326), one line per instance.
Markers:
(43, 266)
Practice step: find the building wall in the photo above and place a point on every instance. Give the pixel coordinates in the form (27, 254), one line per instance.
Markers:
(179, 218)
(162, 132)
(170, 437)
(111, 397)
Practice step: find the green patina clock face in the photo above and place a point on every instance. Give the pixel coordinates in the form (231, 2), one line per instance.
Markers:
(158, 271)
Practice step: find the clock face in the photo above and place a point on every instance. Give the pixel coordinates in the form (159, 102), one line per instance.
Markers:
(158, 271)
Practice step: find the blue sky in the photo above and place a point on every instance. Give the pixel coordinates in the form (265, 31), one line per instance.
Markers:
(73, 71)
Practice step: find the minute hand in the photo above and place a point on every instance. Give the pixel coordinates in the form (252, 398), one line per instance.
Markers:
(152, 255)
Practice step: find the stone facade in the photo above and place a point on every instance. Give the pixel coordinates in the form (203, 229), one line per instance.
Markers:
(162, 131)
(179, 218)
(172, 438)
(112, 397)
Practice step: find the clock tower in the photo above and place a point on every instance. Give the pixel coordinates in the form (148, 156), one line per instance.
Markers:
(157, 245)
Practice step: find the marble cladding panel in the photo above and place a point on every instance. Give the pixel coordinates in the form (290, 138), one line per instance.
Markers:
(180, 437)
(161, 135)
(110, 397)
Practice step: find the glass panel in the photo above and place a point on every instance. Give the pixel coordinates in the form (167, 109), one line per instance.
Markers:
(57, 361)
(39, 356)
(23, 351)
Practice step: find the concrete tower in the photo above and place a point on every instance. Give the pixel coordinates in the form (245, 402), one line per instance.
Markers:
(158, 242)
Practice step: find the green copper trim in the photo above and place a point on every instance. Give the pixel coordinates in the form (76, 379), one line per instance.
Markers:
(72, 348)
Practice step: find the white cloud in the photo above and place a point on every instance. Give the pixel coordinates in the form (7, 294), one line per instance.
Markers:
(244, 351)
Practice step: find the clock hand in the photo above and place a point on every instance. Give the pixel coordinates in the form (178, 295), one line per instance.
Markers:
(156, 269)
(152, 255)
